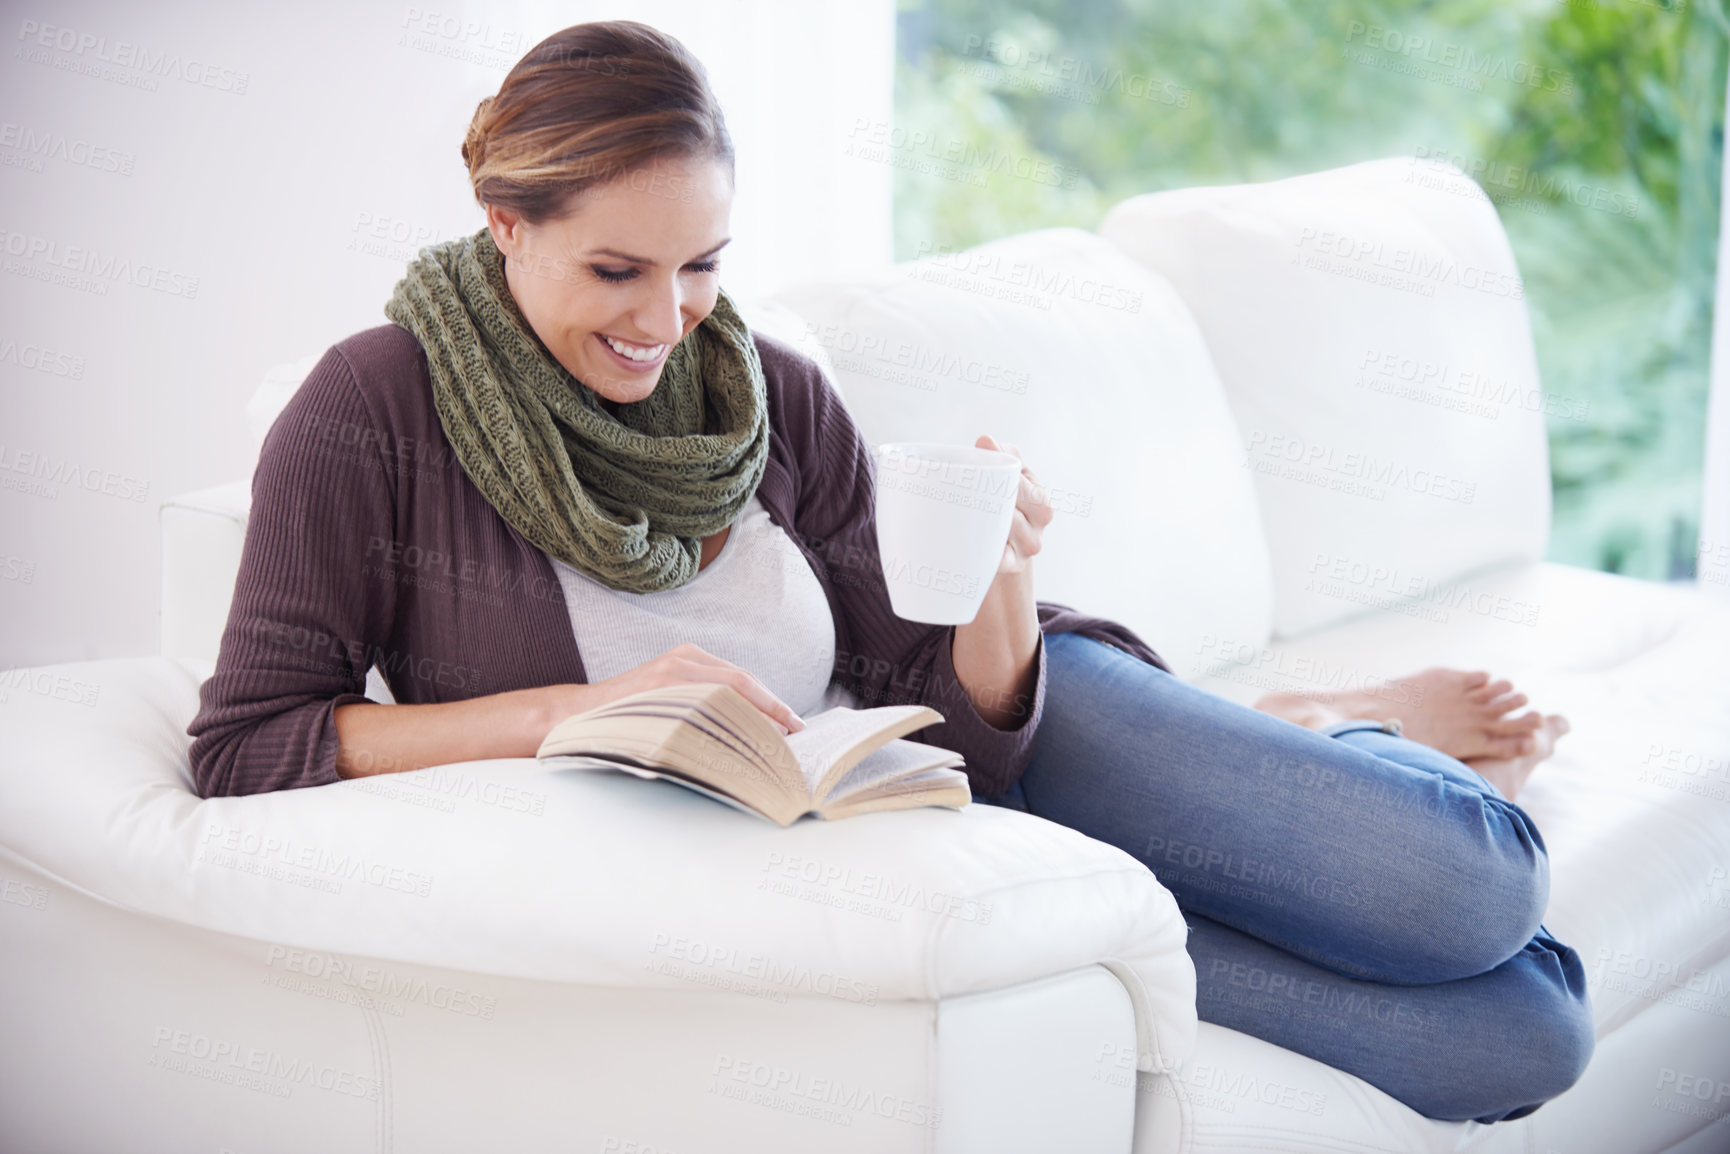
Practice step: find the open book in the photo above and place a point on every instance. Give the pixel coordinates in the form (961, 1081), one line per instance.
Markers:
(711, 739)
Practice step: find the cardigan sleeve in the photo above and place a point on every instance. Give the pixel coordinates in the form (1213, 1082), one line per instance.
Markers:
(306, 620)
(879, 657)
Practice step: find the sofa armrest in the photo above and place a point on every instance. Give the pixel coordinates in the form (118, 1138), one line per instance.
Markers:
(504, 868)
(202, 534)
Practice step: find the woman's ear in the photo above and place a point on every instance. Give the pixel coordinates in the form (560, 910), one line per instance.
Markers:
(507, 227)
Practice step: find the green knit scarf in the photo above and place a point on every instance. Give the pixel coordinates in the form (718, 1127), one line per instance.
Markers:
(625, 499)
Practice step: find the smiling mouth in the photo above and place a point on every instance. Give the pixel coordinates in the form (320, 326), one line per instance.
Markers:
(634, 356)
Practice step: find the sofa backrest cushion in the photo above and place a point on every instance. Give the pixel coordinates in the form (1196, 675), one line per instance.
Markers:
(1371, 331)
(1091, 365)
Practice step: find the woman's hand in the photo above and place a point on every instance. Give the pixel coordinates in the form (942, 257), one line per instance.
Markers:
(994, 653)
(687, 663)
(1033, 512)
(374, 738)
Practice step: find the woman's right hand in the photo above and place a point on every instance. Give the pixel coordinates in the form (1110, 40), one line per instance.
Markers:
(688, 663)
(374, 738)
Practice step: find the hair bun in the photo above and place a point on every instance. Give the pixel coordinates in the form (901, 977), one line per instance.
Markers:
(475, 140)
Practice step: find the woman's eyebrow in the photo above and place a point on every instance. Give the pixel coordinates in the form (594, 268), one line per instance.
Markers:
(613, 252)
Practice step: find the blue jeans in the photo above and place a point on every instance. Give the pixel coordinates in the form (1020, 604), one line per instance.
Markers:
(1352, 895)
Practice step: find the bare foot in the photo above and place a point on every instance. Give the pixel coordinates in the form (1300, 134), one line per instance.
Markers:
(1509, 774)
(1462, 714)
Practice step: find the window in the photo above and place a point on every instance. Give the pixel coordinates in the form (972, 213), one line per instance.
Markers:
(1595, 126)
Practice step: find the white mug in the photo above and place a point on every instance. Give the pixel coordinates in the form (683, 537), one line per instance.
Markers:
(943, 517)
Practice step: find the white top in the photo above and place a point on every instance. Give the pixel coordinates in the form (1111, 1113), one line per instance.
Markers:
(756, 604)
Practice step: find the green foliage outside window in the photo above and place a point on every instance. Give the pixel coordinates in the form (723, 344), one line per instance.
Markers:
(1595, 126)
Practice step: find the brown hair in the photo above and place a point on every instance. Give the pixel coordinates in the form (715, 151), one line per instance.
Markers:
(585, 106)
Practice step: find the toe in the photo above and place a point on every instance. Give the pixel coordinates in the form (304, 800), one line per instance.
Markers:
(1506, 703)
(1516, 726)
(1541, 742)
(1492, 691)
(1510, 747)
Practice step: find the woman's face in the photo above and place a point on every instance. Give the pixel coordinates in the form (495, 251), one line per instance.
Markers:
(612, 285)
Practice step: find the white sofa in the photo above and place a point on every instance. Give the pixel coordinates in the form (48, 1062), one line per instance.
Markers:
(1295, 438)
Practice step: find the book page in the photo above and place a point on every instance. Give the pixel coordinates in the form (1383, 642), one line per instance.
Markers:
(701, 719)
(641, 706)
(712, 734)
(900, 758)
(764, 737)
(705, 731)
(687, 731)
(931, 787)
(709, 724)
(578, 761)
(824, 745)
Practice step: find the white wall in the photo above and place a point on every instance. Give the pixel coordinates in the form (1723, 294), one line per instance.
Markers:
(238, 184)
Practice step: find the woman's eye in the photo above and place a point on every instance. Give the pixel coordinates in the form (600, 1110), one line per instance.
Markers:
(620, 275)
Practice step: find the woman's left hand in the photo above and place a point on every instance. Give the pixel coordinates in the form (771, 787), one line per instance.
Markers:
(1033, 513)
(996, 653)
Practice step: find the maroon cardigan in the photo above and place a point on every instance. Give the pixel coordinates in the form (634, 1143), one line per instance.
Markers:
(368, 545)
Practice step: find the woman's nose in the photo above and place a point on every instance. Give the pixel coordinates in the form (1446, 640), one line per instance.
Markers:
(662, 316)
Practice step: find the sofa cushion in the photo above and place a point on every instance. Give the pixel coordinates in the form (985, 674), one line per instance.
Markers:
(1372, 335)
(1091, 365)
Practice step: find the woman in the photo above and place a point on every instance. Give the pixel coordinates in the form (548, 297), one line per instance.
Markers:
(568, 433)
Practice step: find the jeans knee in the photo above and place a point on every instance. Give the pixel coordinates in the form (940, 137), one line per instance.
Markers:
(1542, 1065)
(1495, 891)
(1465, 927)
(1562, 1000)
(1513, 894)
(1547, 1061)
(1538, 1046)
(1508, 910)
(1569, 1049)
